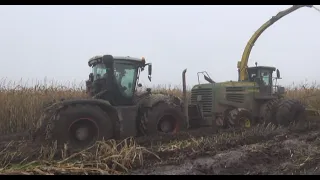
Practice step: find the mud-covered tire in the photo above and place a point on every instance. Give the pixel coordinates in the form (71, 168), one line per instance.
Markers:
(142, 119)
(165, 113)
(143, 123)
(291, 111)
(268, 111)
(90, 115)
(239, 118)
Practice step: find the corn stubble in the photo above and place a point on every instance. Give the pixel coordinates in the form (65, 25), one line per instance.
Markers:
(21, 108)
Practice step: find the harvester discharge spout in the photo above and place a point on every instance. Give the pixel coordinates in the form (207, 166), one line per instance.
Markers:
(243, 63)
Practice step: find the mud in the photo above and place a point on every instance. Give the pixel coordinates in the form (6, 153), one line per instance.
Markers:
(259, 150)
(256, 151)
(288, 157)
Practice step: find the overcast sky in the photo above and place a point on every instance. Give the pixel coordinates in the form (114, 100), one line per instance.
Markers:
(57, 41)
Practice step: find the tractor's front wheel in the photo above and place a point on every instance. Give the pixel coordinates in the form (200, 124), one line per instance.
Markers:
(81, 126)
(239, 118)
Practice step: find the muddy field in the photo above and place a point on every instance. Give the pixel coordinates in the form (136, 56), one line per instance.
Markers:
(259, 150)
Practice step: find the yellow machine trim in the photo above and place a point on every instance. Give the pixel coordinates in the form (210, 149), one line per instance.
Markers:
(243, 64)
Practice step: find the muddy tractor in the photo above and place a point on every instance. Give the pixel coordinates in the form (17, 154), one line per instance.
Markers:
(235, 104)
(114, 109)
(252, 99)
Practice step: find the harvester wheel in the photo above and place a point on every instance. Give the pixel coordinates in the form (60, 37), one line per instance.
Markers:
(81, 126)
(166, 119)
(239, 117)
(291, 111)
(269, 110)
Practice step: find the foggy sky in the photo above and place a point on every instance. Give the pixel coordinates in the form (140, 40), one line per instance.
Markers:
(57, 41)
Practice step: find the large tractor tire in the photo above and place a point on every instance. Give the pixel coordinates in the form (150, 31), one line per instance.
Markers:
(291, 111)
(165, 118)
(239, 118)
(269, 110)
(80, 126)
(142, 123)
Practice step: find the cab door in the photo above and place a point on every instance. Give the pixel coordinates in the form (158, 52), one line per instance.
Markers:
(265, 82)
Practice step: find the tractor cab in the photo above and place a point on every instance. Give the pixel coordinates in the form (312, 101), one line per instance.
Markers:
(262, 76)
(115, 78)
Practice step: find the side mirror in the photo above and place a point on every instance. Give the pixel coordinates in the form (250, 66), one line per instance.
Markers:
(278, 74)
(208, 79)
(149, 71)
(91, 77)
(107, 59)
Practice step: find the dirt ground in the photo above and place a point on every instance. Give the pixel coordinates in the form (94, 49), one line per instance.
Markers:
(259, 150)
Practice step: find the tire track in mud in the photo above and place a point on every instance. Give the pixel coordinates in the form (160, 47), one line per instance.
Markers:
(292, 156)
(278, 151)
(269, 158)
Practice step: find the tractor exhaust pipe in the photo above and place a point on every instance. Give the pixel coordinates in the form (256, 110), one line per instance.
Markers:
(185, 99)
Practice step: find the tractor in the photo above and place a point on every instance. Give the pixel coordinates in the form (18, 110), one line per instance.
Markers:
(253, 99)
(114, 108)
(242, 104)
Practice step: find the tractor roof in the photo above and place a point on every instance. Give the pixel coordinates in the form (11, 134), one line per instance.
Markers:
(118, 58)
(263, 67)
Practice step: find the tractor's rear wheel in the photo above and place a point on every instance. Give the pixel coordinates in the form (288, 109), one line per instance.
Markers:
(238, 118)
(81, 126)
(269, 110)
(165, 118)
(291, 111)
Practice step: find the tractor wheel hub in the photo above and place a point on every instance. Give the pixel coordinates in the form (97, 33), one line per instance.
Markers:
(166, 126)
(82, 133)
(246, 122)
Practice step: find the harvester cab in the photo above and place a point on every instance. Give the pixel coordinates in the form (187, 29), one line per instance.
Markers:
(265, 81)
(115, 78)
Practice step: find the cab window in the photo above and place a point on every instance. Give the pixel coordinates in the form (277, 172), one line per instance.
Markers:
(99, 71)
(125, 74)
(265, 77)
